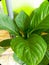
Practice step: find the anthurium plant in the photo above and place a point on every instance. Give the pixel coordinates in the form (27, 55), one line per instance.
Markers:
(29, 35)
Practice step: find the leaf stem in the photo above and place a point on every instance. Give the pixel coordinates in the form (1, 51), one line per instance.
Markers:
(30, 33)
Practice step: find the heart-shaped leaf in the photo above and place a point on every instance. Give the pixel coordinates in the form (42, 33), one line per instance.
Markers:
(40, 17)
(7, 24)
(31, 50)
(22, 21)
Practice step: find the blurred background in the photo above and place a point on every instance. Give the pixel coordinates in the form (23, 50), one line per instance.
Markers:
(18, 5)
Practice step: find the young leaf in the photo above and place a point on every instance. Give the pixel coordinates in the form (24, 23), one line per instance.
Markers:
(22, 21)
(7, 24)
(40, 17)
(31, 50)
(5, 43)
(32, 14)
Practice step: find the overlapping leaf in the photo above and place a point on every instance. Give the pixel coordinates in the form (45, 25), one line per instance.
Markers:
(47, 54)
(45, 61)
(40, 19)
(7, 24)
(23, 21)
(5, 43)
(31, 51)
(46, 38)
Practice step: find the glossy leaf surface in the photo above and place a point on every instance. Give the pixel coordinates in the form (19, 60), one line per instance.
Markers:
(31, 50)
(40, 19)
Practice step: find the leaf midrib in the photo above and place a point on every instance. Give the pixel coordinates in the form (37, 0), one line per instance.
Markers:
(36, 28)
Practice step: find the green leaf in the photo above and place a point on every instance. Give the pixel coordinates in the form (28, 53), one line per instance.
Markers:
(7, 24)
(44, 24)
(45, 61)
(5, 43)
(31, 50)
(46, 38)
(22, 21)
(32, 14)
(47, 54)
(17, 59)
(40, 17)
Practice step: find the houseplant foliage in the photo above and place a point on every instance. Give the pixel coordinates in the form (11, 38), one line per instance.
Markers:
(27, 40)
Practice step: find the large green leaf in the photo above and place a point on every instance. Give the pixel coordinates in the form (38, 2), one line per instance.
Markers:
(44, 24)
(7, 24)
(31, 50)
(40, 19)
(23, 21)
